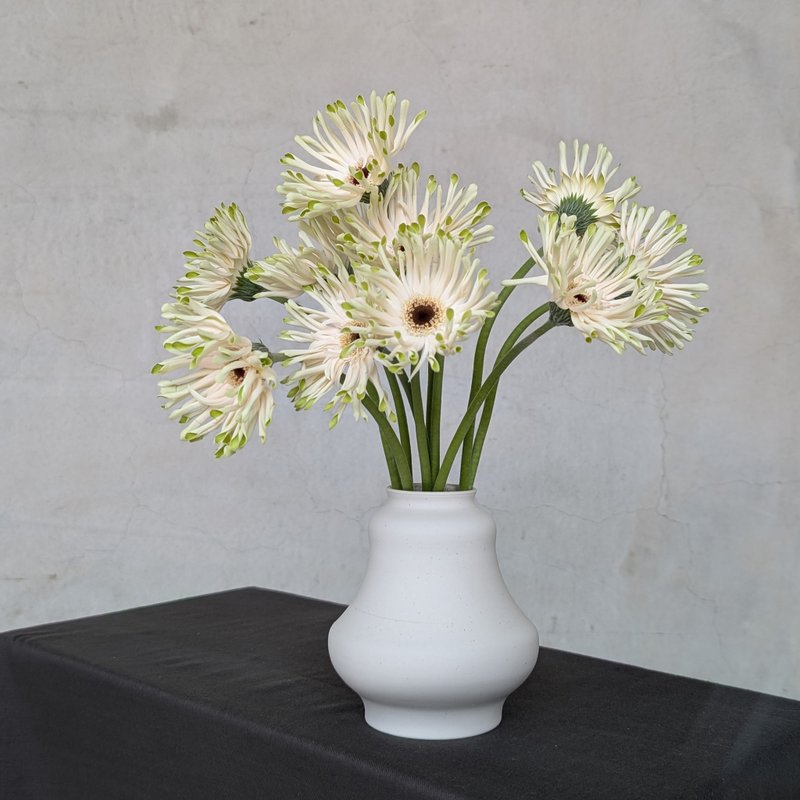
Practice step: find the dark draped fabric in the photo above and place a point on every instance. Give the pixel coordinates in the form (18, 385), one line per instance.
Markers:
(232, 695)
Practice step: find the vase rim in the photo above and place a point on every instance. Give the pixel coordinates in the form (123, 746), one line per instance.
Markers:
(449, 489)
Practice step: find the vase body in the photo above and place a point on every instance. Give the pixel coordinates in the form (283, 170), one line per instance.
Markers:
(433, 642)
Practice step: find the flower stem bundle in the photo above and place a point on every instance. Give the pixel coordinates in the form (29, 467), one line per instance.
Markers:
(383, 286)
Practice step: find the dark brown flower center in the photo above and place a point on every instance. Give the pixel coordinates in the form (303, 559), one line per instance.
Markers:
(578, 294)
(364, 170)
(236, 375)
(422, 314)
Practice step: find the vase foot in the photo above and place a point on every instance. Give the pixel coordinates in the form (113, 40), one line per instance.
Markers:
(437, 723)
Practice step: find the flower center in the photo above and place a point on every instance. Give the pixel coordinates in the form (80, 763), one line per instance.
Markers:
(354, 173)
(577, 299)
(346, 339)
(579, 207)
(422, 314)
(236, 375)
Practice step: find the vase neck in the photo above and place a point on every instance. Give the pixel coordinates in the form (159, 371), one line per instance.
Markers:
(450, 499)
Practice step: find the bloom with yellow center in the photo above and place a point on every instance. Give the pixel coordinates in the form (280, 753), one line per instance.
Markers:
(353, 148)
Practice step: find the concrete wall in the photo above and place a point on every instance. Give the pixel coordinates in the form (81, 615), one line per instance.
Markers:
(647, 507)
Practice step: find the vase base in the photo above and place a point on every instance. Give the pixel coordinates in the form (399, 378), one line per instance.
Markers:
(438, 723)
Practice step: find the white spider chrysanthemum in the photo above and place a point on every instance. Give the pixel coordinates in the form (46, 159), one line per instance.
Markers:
(335, 358)
(422, 300)
(323, 232)
(402, 206)
(226, 388)
(229, 391)
(592, 278)
(354, 147)
(288, 272)
(192, 327)
(651, 246)
(223, 250)
(578, 192)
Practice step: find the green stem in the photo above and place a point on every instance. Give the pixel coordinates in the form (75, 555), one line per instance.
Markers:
(486, 415)
(436, 379)
(406, 385)
(392, 442)
(394, 473)
(477, 401)
(477, 369)
(400, 411)
(422, 434)
(429, 411)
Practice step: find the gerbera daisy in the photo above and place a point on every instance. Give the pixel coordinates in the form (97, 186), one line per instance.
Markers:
(422, 300)
(192, 328)
(402, 205)
(354, 148)
(288, 272)
(651, 247)
(323, 233)
(592, 279)
(577, 192)
(226, 388)
(222, 252)
(335, 358)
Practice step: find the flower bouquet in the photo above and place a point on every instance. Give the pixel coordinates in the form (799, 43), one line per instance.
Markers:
(382, 287)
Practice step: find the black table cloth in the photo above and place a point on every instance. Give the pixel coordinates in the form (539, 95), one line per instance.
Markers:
(232, 695)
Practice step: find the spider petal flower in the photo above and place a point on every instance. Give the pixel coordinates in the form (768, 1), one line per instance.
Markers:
(335, 358)
(223, 249)
(324, 233)
(591, 277)
(353, 148)
(452, 210)
(580, 192)
(288, 272)
(191, 327)
(651, 245)
(422, 300)
(226, 387)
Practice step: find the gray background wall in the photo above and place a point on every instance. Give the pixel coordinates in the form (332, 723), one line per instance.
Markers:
(647, 507)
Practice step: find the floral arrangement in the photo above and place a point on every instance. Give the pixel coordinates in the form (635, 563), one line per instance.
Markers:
(384, 284)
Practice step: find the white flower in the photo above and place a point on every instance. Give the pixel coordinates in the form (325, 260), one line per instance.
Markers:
(578, 192)
(422, 300)
(651, 247)
(592, 278)
(223, 250)
(226, 387)
(323, 232)
(651, 244)
(192, 328)
(288, 272)
(402, 206)
(335, 358)
(354, 148)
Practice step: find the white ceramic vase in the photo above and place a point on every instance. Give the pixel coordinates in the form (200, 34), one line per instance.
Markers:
(433, 642)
